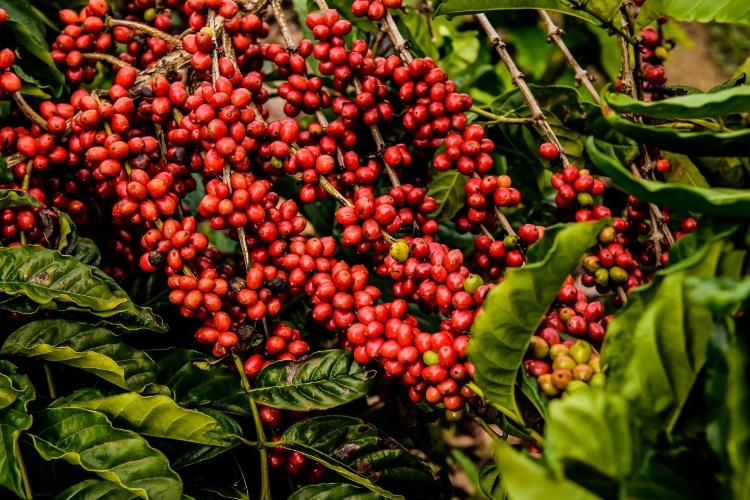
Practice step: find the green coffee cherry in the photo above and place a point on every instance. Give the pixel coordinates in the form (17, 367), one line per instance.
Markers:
(454, 416)
(596, 364)
(607, 235)
(538, 348)
(598, 380)
(591, 263)
(602, 277)
(618, 274)
(545, 384)
(564, 362)
(575, 385)
(585, 199)
(581, 351)
(510, 241)
(400, 250)
(430, 358)
(149, 14)
(473, 282)
(557, 350)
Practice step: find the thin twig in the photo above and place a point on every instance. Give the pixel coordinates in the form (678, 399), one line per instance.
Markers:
(27, 110)
(144, 28)
(509, 120)
(286, 34)
(114, 61)
(554, 34)
(518, 79)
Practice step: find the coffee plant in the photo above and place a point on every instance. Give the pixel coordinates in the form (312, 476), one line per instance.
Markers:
(370, 249)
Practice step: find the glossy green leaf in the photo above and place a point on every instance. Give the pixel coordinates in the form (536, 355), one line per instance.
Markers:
(158, 416)
(716, 201)
(683, 137)
(604, 443)
(88, 347)
(737, 404)
(95, 489)
(417, 28)
(60, 282)
(14, 418)
(656, 345)
(322, 380)
(333, 491)
(191, 386)
(490, 483)
(16, 198)
(684, 171)
(30, 34)
(698, 105)
(86, 438)
(525, 479)
(727, 11)
(454, 7)
(514, 309)
(86, 251)
(449, 190)
(194, 454)
(360, 453)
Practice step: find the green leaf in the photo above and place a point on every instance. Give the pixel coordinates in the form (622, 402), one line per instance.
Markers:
(727, 11)
(158, 416)
(715, 201)
(322, 380)
(490, 483)
(449, 190)
(86, 251)
(30, 33)
(453, 7)
(14, 418)
(333, 491)
(683, 137)
(360, 453)
(514, 309)
(656, 345)
(737, 403)
(684, 171)
(86, 438)
(93, 489)
(60, 282)
(417, 28)
(192, 386)
(16, 198)
(605, 443)
(195, 454)
(699, 105)
(525, 479)
(88, 347)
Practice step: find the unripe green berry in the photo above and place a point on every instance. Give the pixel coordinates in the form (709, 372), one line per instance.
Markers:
(149, 14)
(585, 199)
(618, 274)
(607, 235)
(575, 385)
(596, 364)
(598, 380)
(602, 277)
(538, 348)
(581, 351)
(510, 241)
(545, 384)
(454, 416)
(473, 282)
(430, 358)
(564, 362)
(558, 350)
(583, 373)
(400, 250)
(591, 263)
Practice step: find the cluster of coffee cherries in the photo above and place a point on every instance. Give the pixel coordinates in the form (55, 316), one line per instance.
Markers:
(562, 366)
(574, 314)
(374, 10)
(654, 51)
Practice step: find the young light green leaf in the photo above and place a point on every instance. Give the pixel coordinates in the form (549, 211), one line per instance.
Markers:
(716, 201)
(86, 438)
(14, 418)
(514, 309)
(360, 453)
(448, 188)
(333, 491)
(698, 105)
(323, 380)
(158, 416)
(728, 11)
(525, 479)
(42, 277)
(88, 347)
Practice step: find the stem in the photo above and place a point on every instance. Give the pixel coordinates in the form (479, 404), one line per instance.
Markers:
(554, 34)
(622, 294)
(488, 429)
(144, 28)
(400, 45)
(518, 79)
(22, 469)
(50, 381)
(286, 34)
(114, 61)
(265, 489)
(517, 120)
(27, 110)
(211, 23)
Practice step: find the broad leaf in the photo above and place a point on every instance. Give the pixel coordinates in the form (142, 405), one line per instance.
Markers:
(86, 251)
(14, 418)
(514, 309)
(323, 380)
(716, 201)
(683, 137)
(737, 404)
(87, 439)
(216, 387)
(699, 105)
(449, 190)
(333, 491)
(94, 489)
(16, 198)
(489, 481)
(158, 416)
(88, 347)
(360, 453)
(684, 171)
(54, 281)
(605, 443)
(727, 11)
(525, 479)
(604, 8)
(656, 345)
(192, 454)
